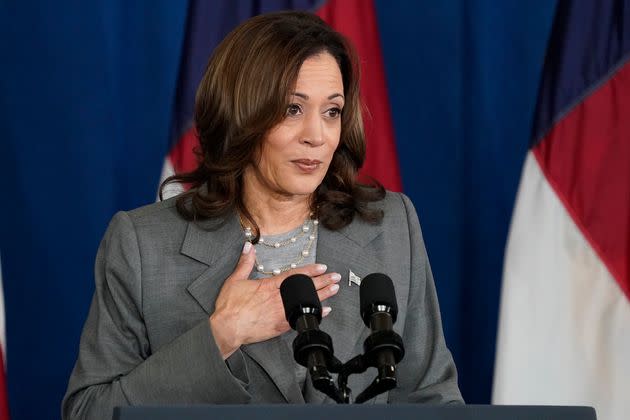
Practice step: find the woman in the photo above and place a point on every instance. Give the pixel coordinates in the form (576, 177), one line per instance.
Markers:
(187, 307)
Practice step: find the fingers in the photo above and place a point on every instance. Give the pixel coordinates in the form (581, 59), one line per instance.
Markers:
(310, 270)
(326, 292)
(326, 279)
(325, 284)
(315, 271)
(245, 263)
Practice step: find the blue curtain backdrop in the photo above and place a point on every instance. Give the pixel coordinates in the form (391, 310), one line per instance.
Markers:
(86, 96)
(463, 81)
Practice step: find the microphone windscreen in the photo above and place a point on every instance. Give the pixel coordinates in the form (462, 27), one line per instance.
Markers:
(377, 289)
(299, 297)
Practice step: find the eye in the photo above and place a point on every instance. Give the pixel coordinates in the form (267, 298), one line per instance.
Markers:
(334, 112)
(293, 110)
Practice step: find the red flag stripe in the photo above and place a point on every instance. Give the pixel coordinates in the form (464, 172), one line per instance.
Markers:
(4, 403)
(182, 155)
(586, 159)
(356, 19)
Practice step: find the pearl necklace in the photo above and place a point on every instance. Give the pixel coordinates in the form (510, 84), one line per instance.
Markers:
(275, 245)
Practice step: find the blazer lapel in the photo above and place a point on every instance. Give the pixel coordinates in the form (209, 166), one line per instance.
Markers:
(219, 246)
(344, 251)
(276, 359)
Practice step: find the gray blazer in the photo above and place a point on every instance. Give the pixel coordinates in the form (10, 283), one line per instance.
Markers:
(147, 338)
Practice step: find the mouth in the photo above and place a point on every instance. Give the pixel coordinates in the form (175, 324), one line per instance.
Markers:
(307, 165)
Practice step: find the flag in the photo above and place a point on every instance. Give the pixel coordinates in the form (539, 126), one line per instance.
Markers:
(356, 19)
(209, 22)
(564, 328)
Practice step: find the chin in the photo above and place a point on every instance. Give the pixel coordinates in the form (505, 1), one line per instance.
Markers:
(301, 191)
(303, 187)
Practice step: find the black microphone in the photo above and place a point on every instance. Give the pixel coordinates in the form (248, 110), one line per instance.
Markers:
(302, 307)
(312, 348)
(384, 347)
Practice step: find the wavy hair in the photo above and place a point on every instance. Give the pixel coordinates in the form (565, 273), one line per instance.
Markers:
(244, 93)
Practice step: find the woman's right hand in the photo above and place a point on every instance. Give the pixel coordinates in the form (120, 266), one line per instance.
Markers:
(248, 311)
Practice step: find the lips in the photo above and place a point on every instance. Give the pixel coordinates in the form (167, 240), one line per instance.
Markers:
(307, 161)
(307, 165)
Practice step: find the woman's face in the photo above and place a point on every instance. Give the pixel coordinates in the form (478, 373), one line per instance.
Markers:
(295, 154)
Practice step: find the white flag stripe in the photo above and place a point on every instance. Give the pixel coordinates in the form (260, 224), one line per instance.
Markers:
(564, 329)
(173, 189)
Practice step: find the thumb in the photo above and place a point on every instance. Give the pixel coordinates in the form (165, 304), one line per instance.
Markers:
(245, 263)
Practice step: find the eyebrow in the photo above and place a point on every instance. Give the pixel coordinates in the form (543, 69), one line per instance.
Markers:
(306, 97)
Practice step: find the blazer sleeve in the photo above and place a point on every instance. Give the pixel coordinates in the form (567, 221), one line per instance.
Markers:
(428, 373)
(116, 365)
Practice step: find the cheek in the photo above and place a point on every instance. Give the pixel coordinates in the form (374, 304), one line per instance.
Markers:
(278, 142)
(272, 164)
(335, 141)
(269, 152)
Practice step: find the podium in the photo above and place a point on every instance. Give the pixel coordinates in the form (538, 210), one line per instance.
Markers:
(352, 412)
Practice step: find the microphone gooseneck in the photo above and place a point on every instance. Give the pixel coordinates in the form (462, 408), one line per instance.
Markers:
(383, 348)
(312, 348)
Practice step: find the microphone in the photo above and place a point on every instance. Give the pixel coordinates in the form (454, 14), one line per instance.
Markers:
(302, 307)
(312, 348)
(384, 347)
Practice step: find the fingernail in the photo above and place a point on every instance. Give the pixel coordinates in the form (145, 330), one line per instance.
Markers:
(335, 277)
(326, 310)
(334, 288)
(321, 268)
(247, 247)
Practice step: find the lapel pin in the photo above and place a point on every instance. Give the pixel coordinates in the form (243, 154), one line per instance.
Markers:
(353, 278)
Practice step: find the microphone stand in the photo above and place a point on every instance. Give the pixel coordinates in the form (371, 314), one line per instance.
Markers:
(383, 350)
(319, 363)
(373, 357)
(384, 382)
(323, 382)
(354, 365)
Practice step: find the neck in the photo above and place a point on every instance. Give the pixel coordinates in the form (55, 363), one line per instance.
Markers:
(275, 213)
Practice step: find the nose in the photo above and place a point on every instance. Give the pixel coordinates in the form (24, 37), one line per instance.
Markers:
(313, 131)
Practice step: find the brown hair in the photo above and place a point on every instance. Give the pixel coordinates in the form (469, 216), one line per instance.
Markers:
(244, 93)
